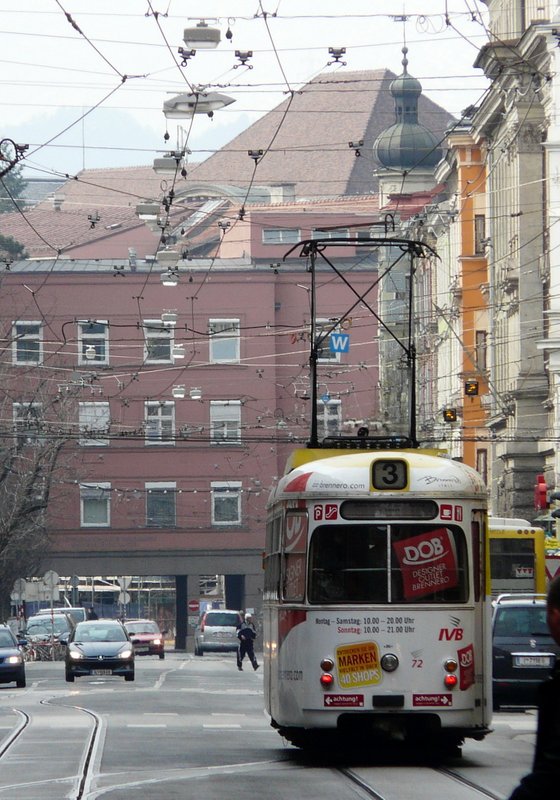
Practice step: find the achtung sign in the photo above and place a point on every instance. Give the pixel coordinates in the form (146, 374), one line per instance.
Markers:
(358, 665)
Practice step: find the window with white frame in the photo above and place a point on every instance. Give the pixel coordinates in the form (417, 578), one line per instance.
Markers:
(158, 340)
(281, 235)
(95, 505)
(323, 330)
(329, 418)
(160, 422)
(93, 342)
(27, 342)
(226, 502)
(224, 341)
(161, 505)
(94, 418)
(337, 233)
(27, 423)
(225, 421)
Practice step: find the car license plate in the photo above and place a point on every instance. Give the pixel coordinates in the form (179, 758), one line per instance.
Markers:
(143, 649)
(102, 672)
(532, 661)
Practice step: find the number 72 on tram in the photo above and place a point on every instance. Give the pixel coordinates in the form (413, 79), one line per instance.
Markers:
(376, 605)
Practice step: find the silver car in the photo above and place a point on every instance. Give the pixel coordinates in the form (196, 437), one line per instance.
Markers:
(216, 631)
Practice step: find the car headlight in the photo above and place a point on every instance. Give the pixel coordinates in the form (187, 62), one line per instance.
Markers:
(14, 660)
(75, 654)
(157, 641)
(126, 653)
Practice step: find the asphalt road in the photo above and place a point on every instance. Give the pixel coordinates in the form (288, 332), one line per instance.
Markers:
(195, 728)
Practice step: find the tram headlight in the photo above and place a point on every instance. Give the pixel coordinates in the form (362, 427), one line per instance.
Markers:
(389, 662)
(327, 665)
(450, 665)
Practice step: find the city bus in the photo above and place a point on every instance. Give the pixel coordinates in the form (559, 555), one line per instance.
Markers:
(517, 556)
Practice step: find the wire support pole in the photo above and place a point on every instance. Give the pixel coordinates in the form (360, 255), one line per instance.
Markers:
(313, 438)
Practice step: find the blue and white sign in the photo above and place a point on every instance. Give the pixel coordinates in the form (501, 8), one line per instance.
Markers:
(339, 342)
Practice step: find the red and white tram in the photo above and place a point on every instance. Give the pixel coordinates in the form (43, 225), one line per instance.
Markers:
(376, 604)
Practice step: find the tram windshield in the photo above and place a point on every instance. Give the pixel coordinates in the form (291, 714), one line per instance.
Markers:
(397, 563)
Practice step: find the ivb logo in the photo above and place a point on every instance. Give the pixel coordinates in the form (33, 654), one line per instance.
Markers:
(450, 634)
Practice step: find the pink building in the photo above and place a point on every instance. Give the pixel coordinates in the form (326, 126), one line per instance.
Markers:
(183, 402)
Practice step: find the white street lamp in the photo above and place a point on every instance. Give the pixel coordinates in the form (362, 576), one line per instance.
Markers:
(148, 210)
(178, 351)
(195, 393)
(169, 278)
(169, 317)
(187, 104)
(178, 392)
(201, 37)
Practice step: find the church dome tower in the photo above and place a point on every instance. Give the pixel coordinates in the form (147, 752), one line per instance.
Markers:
(407, 146)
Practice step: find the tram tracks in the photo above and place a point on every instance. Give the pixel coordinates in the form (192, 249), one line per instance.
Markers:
(35, 778)
(373, 788)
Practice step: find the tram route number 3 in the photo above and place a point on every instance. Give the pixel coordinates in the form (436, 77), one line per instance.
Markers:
(389, 474)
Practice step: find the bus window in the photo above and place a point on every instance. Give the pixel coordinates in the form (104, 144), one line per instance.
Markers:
(349, 564)
(294, 548)
(429, 566)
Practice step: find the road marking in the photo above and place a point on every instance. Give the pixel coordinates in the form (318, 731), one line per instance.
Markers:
(221, 727)
(147, 725)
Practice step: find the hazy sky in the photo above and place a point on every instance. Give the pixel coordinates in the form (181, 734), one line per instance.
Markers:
(51, 74)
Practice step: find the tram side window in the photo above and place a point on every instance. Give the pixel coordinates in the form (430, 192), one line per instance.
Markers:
(348, 564)
(272, 559)
(429, 564)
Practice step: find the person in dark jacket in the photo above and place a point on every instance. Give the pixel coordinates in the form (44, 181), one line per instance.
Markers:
(246, 633)
(544, 779)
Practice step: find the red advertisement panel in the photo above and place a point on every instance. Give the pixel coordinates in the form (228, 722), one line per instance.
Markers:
(466, 667)
(428, 563)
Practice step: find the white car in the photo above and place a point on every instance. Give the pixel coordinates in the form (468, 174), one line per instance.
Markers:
(216, 631)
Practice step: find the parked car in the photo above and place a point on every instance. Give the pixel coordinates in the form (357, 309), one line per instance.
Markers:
(217, 631)
(146, 637)
(76, 613)
(12, 667)
(99, 647)
(523, 651)
(44, 627)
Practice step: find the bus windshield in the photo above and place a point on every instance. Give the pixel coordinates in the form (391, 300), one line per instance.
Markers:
(395, 563)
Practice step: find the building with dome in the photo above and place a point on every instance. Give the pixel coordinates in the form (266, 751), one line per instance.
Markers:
(406, 151)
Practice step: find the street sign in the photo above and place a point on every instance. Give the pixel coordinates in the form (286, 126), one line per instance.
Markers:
(124, 598)
(339, 342)
(124, 582)
(18, 592)
(193, 606)
(50, 579)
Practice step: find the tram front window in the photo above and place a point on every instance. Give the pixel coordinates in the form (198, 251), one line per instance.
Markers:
(351, 564)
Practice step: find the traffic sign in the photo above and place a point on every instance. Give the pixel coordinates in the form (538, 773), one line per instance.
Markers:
(193, 606)
(339, 342)
(124, 598)
(124, 582)
(50, 579)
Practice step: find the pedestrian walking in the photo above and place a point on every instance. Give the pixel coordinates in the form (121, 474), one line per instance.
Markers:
(246, 633)
(544, 779)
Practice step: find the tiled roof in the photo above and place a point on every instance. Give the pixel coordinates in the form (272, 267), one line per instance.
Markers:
(308, 135)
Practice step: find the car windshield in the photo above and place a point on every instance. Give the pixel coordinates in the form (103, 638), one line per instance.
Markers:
(6, 639)
(526, 621)
(142, 627)
(222, 618)
(86, 632)
(48, 625)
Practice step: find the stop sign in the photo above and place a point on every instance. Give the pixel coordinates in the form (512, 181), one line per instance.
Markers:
(193, 606)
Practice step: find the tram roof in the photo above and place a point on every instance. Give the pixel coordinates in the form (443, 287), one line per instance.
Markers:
(334, 473)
